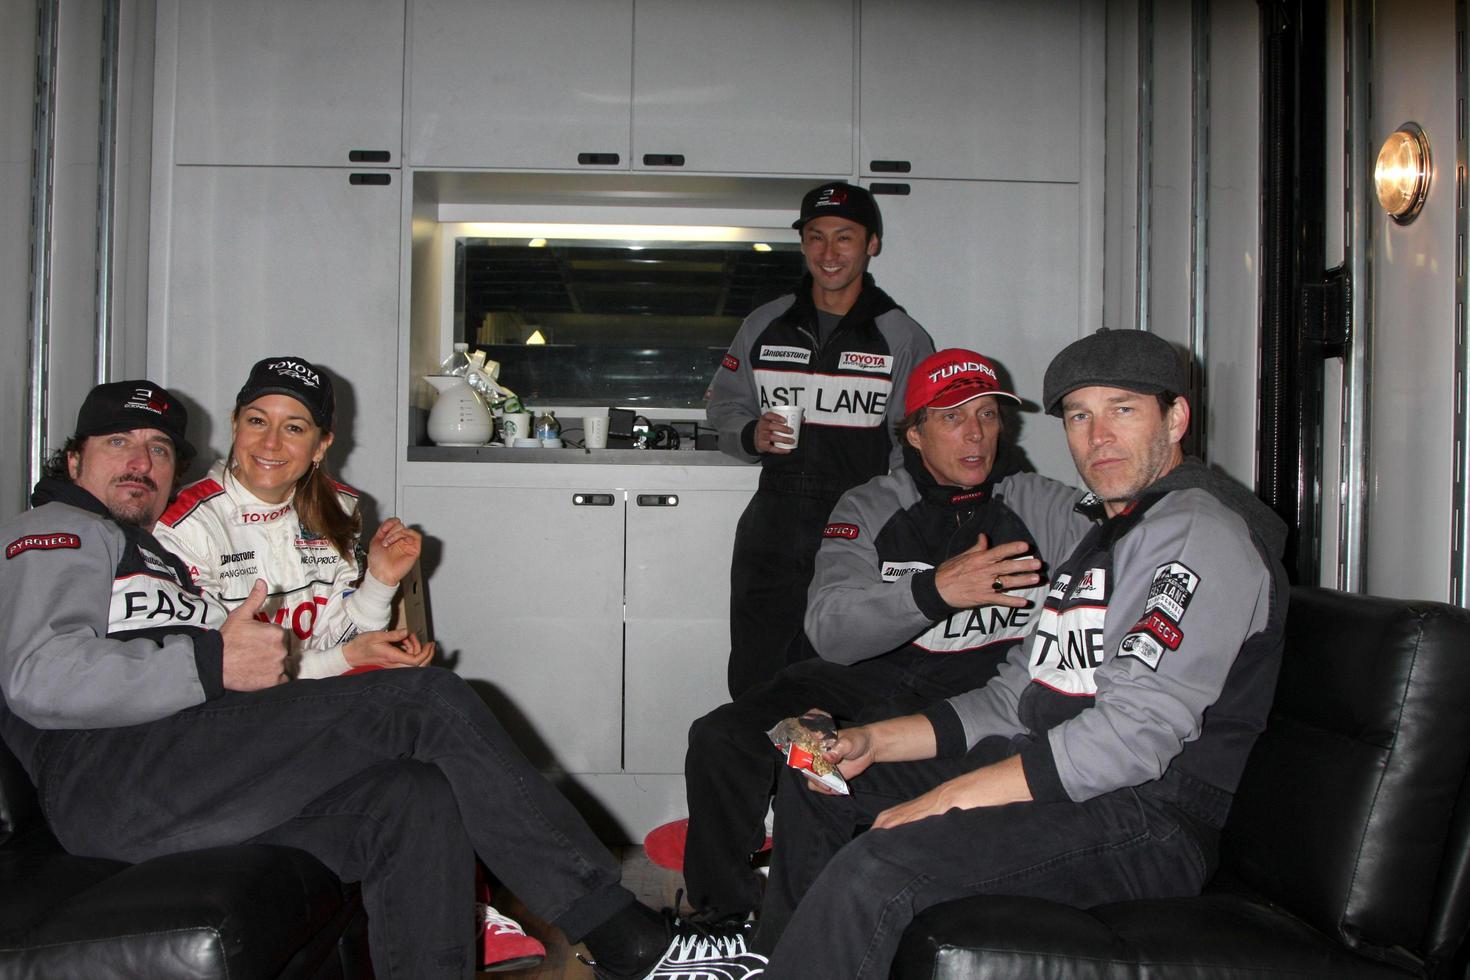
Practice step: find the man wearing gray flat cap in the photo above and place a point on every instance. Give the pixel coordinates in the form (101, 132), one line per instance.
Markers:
(1100, 763)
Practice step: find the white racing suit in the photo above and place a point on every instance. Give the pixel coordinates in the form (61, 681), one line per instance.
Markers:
(229, 538)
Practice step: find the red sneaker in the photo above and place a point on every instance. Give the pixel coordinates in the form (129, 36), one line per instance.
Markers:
(664, 844)
(504, 945)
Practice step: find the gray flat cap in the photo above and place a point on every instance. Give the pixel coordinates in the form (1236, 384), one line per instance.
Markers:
(1132, 359)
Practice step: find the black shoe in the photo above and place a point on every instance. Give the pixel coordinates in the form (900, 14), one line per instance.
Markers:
(700, 952)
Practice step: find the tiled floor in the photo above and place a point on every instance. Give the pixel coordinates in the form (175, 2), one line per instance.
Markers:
(655, 887)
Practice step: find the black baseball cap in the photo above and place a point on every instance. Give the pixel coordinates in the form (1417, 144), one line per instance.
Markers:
(1134, 360)
(296, 377)
(122, 406)
(839, 199)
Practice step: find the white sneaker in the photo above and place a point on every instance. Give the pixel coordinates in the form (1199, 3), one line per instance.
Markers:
(701, 953)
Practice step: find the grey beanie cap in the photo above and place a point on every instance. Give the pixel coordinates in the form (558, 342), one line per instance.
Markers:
(1132, 359)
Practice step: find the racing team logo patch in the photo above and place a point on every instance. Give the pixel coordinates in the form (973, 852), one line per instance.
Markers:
(1141, 646)
(731, 362)
(853, 360)
(41, 542)
(892, 571)
(1092, 585)
(1173, 586)
(785, 355)
(848, 531)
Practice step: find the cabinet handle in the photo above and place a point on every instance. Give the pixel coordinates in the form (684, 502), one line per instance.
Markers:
(900, 189)
(595, 159)
(581, 499)
(663, 159)
(371, 179)
(889, 166)
(658, 500)
(369, 156)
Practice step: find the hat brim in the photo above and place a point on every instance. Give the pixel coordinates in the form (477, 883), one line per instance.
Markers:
(182, 447)
(963, 392)
(291, 393)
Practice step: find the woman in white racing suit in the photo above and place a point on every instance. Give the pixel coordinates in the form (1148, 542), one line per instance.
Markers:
(270, 511)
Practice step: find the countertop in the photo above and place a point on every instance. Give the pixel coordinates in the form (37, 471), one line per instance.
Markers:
(620, 457)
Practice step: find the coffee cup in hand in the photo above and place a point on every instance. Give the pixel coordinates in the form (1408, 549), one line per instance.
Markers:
(791, 415)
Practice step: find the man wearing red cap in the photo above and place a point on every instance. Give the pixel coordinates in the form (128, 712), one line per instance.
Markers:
(925, 579)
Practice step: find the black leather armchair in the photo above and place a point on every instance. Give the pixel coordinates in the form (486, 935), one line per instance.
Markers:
(245, 911)
(1347, 851)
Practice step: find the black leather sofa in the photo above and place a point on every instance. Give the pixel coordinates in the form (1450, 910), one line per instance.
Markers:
(245, 911)
(1347, 852)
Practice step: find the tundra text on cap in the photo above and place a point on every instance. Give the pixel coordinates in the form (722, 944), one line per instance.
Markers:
(951, 377)
(295, 377)
(123, 406)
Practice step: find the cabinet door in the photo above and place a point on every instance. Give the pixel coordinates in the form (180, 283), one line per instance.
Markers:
(678, 619)
(520, 83)
(525, 595)
(284, 260)
(761, 86)
(289, 83)
(987, 89)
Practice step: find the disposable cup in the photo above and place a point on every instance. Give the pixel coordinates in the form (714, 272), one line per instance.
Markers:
(791, 415)
(515, 425)
(594, 429)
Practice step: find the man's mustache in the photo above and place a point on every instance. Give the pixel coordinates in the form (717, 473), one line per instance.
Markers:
(141, 479)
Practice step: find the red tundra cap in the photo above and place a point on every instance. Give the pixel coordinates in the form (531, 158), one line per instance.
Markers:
(951, 377)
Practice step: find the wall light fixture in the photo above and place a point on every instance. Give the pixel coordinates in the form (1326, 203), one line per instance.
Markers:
(1402, 173)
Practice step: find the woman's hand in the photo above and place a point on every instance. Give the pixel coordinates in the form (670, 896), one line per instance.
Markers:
(393, 550)
(387, 648)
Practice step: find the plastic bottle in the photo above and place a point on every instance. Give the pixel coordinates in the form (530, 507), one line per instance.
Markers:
(457, 363)
(547, 427)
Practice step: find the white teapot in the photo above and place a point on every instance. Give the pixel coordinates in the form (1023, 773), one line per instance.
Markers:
(459, 417)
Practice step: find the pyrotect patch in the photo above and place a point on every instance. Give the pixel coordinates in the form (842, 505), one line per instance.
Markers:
(848, 531)
(731, 362)
(41, 542)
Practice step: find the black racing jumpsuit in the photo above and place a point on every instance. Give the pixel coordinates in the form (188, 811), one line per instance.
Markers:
(851, 387)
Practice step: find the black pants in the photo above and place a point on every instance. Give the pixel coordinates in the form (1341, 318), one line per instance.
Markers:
(775, 552)
(837, 907)
(394, 778)
(730, 770)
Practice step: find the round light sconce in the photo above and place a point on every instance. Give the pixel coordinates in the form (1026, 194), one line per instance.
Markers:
(1402, 173)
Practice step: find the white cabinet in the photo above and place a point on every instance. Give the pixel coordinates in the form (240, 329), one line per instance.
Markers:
(595, 619)
(287, 82)
(526, 600)
(520, 83)
(986, 89)
(678, 618)
(762, 86)
(282, 260)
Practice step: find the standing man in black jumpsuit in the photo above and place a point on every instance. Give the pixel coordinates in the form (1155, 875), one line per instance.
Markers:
(842, 349)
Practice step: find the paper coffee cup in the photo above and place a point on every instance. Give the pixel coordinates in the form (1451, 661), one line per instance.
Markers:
(594, 429)
(791, 415)
(515, 425)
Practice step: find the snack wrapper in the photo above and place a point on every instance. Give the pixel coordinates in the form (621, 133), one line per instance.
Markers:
(801, 741)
